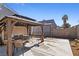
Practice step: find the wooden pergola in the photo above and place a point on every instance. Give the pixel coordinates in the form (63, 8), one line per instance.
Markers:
(7, 24)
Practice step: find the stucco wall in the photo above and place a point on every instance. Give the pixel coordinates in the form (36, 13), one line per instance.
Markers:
(17, 30)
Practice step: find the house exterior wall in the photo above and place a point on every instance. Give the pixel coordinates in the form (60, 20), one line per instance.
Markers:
(4, 11)
(18, 30)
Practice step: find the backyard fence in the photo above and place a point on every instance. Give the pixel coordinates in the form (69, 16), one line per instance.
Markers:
(71, 33)
(65, 33)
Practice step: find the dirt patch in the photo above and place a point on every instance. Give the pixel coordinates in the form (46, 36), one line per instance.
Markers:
(75, 47)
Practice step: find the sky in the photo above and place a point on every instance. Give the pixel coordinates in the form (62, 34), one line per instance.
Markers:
(47, 11)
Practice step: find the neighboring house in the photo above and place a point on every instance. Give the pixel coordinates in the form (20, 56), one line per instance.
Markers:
(4, 11)
(49, 22)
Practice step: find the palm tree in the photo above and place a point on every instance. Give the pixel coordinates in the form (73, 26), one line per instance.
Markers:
(65, 18)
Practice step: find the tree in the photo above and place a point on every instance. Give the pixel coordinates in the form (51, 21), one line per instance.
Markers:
(65, 17)
(65, 24)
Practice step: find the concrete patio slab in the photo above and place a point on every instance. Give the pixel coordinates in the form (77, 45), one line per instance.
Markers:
(50, 47)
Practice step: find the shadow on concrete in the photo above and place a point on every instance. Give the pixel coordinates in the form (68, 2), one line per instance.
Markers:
(22, 50)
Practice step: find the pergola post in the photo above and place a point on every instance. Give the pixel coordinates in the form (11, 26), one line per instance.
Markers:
(28, 29)
(50, 30)
(9, 26)
(42, 34)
